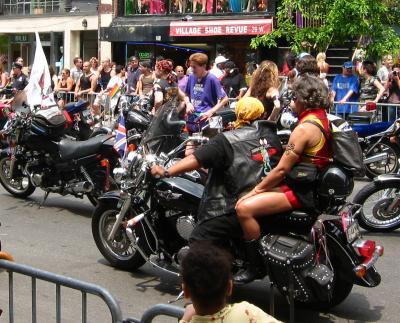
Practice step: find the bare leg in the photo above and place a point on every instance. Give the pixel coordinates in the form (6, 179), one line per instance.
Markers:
(259, 205)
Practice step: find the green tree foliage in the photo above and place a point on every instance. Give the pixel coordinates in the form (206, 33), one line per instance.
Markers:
(332, 22)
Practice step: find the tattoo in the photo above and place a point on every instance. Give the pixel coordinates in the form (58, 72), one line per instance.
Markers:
(289, 149)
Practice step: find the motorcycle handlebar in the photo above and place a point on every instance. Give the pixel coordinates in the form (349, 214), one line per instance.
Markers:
(172, 123)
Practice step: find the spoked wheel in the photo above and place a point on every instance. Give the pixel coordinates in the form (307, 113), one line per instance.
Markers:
(19, 185)
(380, 206)
(389, 165)
(118, 251)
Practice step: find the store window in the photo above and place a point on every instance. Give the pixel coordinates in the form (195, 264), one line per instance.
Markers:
(156, 7)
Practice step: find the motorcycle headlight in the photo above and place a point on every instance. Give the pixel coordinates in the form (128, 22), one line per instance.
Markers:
(119, 173)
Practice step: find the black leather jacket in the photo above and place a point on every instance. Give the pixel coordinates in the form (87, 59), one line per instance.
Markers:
(254, 147)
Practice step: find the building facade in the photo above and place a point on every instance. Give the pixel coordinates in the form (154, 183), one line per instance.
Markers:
(177, 28)
(67, 29)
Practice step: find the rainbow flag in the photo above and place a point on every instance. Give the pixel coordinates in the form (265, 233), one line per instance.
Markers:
(114, 91)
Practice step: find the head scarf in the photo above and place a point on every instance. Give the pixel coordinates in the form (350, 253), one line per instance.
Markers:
(247, 110)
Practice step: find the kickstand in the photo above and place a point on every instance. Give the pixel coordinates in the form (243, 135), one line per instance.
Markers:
(271, 298)
(291, 297)
(180, 296)
(46, 195)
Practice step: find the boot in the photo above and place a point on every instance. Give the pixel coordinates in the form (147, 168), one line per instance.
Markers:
(254, 268)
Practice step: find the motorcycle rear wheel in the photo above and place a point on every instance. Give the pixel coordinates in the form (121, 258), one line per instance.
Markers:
(391, 165)
(374, 215)
(119, 252)
(19, 187)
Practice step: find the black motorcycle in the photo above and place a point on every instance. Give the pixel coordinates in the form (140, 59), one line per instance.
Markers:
(312, 258)
(37, 156)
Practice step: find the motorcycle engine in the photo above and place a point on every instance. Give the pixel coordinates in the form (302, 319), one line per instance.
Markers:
(185, 226)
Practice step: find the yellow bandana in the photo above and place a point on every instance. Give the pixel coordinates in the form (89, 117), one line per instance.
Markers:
(247, 110)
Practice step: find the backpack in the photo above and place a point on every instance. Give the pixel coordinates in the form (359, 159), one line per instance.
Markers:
(345, 148)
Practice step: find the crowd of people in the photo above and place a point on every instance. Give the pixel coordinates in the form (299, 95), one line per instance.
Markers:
(360, 81)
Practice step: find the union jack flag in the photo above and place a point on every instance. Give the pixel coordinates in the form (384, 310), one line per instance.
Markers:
(120, 138)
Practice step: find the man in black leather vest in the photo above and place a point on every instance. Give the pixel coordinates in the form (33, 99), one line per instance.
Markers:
(237, 160)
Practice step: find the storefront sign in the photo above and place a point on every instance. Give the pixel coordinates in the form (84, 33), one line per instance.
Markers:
(220, 27)
(21, 38)
(144, 55)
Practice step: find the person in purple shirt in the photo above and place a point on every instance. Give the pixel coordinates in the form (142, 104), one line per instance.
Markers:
(204, 93)
(182, 78)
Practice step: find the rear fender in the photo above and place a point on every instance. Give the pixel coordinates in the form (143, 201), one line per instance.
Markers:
(345, 257)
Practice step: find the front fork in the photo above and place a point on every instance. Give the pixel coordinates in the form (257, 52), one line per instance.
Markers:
(119, 217)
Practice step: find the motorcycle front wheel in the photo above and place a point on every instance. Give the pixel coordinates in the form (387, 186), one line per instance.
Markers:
(389, 165)
(119, 252)
(380, 212)
(20, 185)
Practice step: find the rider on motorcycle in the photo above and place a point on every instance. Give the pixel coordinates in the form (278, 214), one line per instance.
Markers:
(237, 160)
(307, 144)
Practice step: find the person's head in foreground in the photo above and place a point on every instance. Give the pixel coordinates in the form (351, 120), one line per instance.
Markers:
(207, 277)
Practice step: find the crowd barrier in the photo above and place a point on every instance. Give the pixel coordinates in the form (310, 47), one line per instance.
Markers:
(384, 112)
(83, 287)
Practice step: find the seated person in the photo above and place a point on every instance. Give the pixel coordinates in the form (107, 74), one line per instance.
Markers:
(207, 281)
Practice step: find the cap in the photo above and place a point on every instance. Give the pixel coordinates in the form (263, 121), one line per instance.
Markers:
(348, 64)
(301, 55)
(16, 65)
(220, 59)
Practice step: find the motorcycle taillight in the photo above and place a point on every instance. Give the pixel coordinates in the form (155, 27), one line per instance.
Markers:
(366, 249)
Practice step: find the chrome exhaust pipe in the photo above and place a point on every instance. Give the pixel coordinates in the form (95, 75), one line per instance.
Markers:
(81, 187)
(376, 158)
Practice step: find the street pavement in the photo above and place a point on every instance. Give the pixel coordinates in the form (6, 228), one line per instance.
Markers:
(58, 238)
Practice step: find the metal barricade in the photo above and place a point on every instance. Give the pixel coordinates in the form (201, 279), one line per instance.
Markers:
(85, 289)
(158, 310)
(59, 281)
(384, 111)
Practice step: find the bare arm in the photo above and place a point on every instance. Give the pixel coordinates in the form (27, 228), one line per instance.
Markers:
(139, 86)
(187, 164)
(158, 97)
(3, 81)
(277, 106)
(297, 143)
(381, 89)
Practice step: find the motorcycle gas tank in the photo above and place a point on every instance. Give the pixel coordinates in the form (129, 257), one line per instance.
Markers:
(137, 119)
(178, 193)
(365, 130)
(41, 143)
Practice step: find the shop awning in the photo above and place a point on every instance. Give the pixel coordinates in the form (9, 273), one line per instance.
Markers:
(127, 29)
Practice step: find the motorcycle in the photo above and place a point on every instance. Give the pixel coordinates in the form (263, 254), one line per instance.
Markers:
(312, 258)
(380, 199)
(381, 155)
(37, 156)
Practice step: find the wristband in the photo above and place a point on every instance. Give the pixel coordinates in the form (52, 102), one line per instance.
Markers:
(166, 174)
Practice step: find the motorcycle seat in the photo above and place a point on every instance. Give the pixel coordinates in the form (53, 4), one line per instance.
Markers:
(70, 149)
(75, 107)
(297, 221)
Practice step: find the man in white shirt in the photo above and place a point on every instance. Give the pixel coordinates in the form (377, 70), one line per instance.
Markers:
(384, 71)
(218, 67)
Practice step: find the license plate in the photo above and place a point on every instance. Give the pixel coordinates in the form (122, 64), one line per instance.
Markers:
(353, 232)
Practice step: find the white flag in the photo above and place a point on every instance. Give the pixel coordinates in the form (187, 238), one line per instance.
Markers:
(39, 80)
